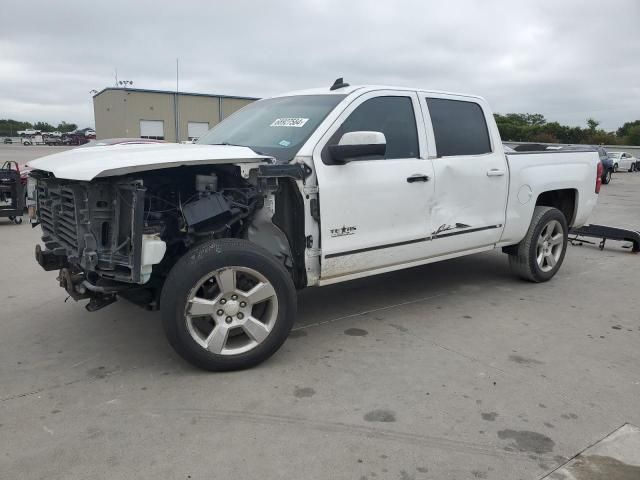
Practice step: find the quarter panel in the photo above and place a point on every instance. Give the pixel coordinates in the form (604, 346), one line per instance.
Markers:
(543, 172)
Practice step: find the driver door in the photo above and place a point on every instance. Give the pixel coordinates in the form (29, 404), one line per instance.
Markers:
(374, 211)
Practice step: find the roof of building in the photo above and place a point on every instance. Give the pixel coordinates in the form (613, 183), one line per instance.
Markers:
(172, 92)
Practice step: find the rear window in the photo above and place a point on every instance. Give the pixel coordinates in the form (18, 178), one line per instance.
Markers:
(459, 127)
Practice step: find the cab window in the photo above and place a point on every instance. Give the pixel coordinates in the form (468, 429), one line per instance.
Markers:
(459, 127)
(393, 116)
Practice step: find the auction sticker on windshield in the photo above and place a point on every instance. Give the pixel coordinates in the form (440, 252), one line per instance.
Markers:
(289, 122)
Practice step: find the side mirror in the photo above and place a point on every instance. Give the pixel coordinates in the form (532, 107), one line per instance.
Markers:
(358, 144)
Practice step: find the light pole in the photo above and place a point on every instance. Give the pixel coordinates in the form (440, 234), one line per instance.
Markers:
(125, 83)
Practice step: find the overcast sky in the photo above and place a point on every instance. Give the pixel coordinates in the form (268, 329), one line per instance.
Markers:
(567, 59)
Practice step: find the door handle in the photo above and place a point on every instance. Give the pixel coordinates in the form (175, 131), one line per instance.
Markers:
(418, 177)
(495, 172)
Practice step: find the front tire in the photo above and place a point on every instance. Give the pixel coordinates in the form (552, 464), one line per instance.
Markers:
(540, 254)
(615, 168)
(228, 305)
(606, 178)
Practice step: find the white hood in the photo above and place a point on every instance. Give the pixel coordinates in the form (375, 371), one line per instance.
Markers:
(87, 163)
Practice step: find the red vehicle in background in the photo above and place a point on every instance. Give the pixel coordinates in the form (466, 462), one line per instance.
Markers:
(75, 138)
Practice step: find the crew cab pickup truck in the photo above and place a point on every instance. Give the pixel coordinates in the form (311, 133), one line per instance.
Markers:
(305, 189)
(28, 132)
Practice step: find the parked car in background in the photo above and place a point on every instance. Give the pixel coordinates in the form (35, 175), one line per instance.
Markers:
(74, 139)
(90, 133)
(607, 164)
(53, 141)
(28, 132)
(623, 161)
(8, 140)
(120, 141)
(52, 134)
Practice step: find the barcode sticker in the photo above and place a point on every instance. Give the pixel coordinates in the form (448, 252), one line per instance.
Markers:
(289, 122)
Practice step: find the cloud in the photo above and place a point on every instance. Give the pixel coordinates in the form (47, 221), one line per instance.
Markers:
(568, 60)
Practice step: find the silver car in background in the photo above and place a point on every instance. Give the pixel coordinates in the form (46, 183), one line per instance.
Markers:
(623, 161)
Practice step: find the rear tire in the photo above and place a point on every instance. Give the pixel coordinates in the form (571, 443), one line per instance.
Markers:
(606, 178)
(540, 254)
(227, 305)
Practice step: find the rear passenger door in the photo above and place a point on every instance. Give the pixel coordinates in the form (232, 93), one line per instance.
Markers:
(471, 176)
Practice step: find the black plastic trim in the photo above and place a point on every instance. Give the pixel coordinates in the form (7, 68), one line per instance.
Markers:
(288, 170)
(531, 152)
(409, 242)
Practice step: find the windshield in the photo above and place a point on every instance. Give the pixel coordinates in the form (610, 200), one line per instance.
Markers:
(275, 126)
(614, 154)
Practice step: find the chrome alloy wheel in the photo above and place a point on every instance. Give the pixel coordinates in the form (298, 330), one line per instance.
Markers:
(550, 244)
(231, 310)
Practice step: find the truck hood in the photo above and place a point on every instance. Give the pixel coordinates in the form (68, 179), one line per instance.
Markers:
(87, 163)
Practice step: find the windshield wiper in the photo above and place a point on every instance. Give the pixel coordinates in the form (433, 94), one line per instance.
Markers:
(227, 143)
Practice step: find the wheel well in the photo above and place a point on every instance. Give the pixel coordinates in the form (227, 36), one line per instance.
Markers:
(289, 217)
(564, 200)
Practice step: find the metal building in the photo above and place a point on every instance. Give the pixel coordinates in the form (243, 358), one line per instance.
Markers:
(160, 114)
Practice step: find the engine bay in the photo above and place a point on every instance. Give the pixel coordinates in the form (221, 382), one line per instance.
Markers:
(114, 229)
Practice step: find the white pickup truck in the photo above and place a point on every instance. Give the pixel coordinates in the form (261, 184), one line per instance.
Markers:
(305, 189)
(28, 132)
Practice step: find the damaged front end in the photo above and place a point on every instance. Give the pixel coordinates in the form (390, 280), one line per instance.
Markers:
(121, 235)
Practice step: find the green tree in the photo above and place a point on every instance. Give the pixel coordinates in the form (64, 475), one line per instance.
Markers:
(9, 127)
(600, 137)
(43, 126)
(560, 132)
(545, 137)
(623, 131)
(592, 124)
(535, 119)
(633, 135)
(66, 127)
(520, 127)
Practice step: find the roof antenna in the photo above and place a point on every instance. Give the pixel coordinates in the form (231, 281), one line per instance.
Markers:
(339, 83)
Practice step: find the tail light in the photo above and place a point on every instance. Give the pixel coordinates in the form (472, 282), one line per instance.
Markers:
(599, 177)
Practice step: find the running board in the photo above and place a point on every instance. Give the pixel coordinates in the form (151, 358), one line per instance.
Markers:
(608, 233)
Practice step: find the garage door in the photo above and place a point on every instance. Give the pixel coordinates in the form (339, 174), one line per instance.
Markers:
(152, 129)
(197, 129)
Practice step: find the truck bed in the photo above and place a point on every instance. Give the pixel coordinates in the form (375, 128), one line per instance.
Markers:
(562, 170)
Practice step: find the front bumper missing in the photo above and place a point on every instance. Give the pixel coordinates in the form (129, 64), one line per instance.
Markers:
(79, 288)
(75, 281)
